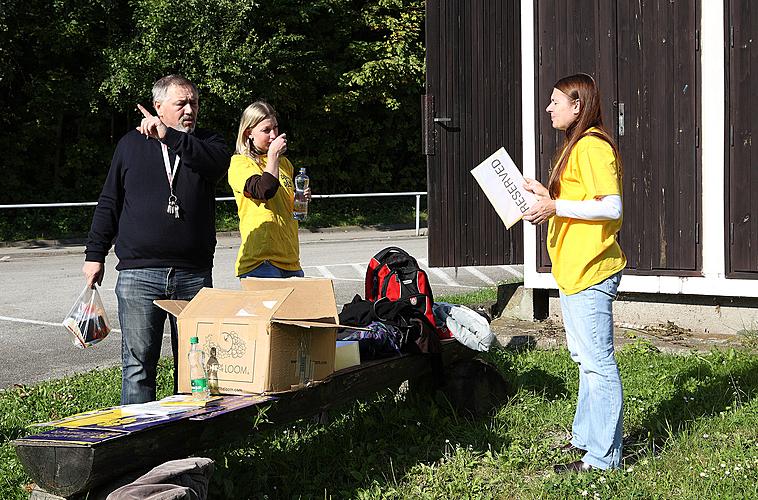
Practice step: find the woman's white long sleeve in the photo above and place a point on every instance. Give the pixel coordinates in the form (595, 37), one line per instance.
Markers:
(605, 208)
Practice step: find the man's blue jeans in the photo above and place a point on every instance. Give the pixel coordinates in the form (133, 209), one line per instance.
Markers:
(142, 323)
(588, 320)
(268, 270)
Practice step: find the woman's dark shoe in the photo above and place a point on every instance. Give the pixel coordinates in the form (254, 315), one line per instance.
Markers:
(577, 466)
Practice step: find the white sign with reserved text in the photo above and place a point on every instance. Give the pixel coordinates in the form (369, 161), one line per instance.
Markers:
(503, 184)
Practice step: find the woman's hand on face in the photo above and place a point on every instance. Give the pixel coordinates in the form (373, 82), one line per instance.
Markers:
(534, 186)
(278, 147)
(541, 211)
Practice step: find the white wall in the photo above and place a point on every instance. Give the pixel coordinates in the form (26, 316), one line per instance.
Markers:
(713, 281)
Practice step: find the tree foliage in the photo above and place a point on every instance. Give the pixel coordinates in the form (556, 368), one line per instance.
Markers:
(344, 75)
(55, 133)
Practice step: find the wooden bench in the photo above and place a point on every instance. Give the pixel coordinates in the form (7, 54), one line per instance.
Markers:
(72, 469)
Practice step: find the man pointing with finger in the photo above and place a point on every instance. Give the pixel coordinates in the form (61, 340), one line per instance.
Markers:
(158, 204)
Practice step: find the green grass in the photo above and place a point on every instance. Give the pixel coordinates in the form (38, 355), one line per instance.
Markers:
(477, 297)
(748, 337)
(481, 296)
(690, 424)
(62, 223)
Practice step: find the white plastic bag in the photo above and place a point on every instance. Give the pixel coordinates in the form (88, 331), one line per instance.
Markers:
(467, 326)
(87, 320)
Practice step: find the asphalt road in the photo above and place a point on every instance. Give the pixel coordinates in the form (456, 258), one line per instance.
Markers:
(39, 284)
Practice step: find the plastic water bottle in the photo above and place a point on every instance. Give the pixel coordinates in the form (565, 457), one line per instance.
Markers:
(300, 211)
(198, 377)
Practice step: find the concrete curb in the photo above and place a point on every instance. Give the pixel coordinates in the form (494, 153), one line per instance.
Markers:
(64, 242)
(225, 239)
(519, 334)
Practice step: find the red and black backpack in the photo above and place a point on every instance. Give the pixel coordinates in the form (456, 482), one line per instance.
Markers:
(394, 275)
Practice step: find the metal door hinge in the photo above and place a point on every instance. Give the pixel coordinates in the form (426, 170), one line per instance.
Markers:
(731, 36)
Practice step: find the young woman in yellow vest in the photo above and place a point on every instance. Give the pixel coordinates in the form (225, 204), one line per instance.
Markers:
(262, 180)
(582, 205)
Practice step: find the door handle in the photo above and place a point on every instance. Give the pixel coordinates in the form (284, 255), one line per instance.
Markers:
(442, 120)
(621, 119)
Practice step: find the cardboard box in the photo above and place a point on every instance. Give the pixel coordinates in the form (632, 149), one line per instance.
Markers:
(273, 335)
(347, 354)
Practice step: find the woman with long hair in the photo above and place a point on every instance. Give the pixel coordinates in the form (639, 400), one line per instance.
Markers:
(582, 204)
(261, 178)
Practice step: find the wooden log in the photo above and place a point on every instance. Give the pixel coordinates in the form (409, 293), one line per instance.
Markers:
(476, 387)
(70, 469)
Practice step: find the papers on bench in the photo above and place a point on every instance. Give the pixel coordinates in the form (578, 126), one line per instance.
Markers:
(126, 419)
(503, 185)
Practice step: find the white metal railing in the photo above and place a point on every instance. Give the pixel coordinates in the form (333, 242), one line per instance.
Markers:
(417, 194)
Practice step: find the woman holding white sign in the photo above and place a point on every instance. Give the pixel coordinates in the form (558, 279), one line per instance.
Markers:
(582, 204)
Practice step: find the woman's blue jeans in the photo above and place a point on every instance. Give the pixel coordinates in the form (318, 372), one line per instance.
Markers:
(267, 270)
(142, 323)
(588, 320)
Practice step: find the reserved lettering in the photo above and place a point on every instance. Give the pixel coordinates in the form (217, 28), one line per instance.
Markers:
(513, 189)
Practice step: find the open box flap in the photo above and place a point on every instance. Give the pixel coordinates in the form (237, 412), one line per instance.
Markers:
(173, 307)
(312, 298)
(214, 302)
(315, 324)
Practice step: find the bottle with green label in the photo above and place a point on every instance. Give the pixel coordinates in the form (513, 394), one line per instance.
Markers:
(198, 377)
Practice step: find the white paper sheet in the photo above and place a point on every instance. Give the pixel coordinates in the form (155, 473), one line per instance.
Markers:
(503, 185)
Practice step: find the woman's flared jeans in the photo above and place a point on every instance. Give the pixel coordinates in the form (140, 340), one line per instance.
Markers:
(588, 320)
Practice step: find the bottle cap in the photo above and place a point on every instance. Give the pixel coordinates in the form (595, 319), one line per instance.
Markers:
(193, 340)
(302, 170)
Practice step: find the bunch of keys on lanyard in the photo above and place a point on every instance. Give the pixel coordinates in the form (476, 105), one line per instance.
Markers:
(173, 206)
(173, 203)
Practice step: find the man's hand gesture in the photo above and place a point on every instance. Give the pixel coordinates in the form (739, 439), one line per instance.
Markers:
(151, 126)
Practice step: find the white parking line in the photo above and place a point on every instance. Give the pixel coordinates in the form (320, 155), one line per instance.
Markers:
(30, 321)
(440, 274)
(355, 280)
(513, 270)
(476, 272)
(361, 280)
(325, 272)
(360, 269)
(37, 322)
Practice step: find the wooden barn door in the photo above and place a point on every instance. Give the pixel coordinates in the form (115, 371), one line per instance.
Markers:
(658, 83)
(742, 123)
(471, 108)
(645, 57)
(573, 36)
